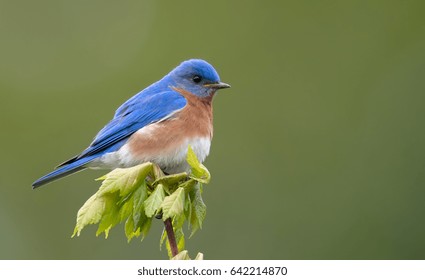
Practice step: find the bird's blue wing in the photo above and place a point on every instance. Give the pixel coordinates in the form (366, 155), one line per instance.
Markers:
(137, 114)
(154, 89)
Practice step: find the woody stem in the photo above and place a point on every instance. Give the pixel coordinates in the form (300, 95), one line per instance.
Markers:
(171, 237)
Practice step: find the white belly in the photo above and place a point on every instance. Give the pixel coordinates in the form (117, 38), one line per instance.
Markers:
(171, 161)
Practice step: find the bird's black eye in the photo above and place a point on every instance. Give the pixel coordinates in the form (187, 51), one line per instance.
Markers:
(197, 79)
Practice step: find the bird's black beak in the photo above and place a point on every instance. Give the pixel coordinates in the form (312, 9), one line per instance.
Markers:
(218, 85)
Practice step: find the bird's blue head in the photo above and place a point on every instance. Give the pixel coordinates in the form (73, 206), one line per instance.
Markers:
(197, 77)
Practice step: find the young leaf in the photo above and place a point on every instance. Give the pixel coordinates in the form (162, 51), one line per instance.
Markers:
(125, 196)
(173, 204)
(137, 222)
(199, 257)
(187, 207)
(121, 190)
(171, 181)
(139, 197)
(154, 201)
(142, 227)
(90, 213)
(180, 239)
(199, 172)
(129, 229)
(182, 256)
(198, 209)
(126, 207)
(125, 180)
(188, 185)
(142, 223)
(111, 214)
(145, 225)
(157, 172)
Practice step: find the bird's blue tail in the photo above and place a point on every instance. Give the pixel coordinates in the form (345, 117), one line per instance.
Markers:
(64, 170)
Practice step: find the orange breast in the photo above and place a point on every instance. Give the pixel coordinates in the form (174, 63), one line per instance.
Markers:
(166, 138)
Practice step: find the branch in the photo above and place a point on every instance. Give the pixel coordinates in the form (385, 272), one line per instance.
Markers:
(171, 237)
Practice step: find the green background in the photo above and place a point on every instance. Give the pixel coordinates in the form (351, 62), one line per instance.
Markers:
(318, 148)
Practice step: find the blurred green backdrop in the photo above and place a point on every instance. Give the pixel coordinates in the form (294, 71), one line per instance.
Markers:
(318, 150)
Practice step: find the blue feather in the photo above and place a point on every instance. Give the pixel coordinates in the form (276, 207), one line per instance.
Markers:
(63, 171)
(138, 113)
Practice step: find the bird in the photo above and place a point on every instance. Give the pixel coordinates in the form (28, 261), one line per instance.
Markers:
(156, 125)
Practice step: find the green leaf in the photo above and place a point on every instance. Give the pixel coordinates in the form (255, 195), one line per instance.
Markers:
(170, 182)
(157, 172)
(154, 201)
(180, 239)
(199, 257)
(111, 215)
(115, 201)
(139, 197)
(198, 209)
(141, 221)
(145, 225)
(173, 204)
(125, 180)
(188, 185)
(137, 222)
(135, 230)
(177, 222)
(199, 172)
(187, 207)
(90, 213)
(129, 229)
(126, 207)
(182, 256)
(136, 194)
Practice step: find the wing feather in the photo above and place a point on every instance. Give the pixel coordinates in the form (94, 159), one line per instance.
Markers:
(137, 114)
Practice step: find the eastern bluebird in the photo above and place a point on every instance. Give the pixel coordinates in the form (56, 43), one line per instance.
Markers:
(155, 125)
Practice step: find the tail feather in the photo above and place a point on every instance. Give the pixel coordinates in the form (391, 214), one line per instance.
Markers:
(62, 171)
